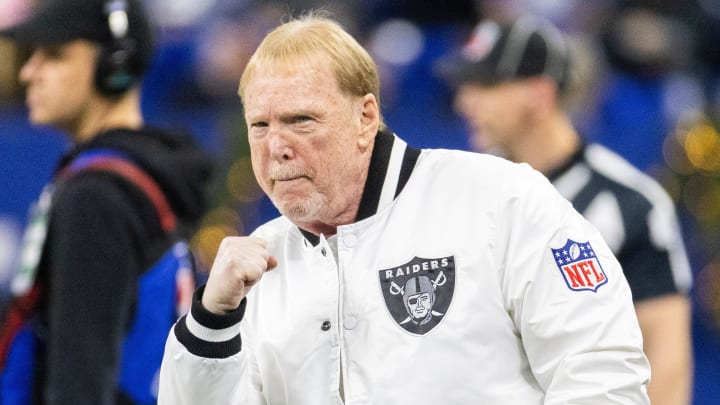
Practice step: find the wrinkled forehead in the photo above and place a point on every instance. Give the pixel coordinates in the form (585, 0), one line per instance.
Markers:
(267, 66)
(75, 45)
(301, 76)
(282, 90)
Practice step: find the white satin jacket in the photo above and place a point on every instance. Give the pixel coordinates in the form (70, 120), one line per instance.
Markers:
(465, 280)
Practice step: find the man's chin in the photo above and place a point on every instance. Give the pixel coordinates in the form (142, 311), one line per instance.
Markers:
(36, 118)
(495, 150)
(300, 207)
(297, 212)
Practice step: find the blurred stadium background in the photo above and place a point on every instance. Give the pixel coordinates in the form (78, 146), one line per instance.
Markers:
(651, 70)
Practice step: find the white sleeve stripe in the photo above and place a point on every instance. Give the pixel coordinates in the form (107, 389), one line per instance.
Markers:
(210, 335)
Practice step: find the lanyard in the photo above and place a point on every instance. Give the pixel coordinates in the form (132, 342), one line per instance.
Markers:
(32, 243)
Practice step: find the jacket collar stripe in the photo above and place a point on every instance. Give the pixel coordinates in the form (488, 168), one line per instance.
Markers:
(392, 176)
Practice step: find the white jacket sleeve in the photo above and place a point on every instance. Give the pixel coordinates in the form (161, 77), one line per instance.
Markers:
(203, 361)
(570, 303)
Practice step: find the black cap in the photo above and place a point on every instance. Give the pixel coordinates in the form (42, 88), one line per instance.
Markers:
(498, 52)
(60, 21)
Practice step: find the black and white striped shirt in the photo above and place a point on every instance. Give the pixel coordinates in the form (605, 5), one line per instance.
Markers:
(634, 214)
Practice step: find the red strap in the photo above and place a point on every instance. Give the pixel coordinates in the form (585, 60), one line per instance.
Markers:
(143, 181)
(19, 311)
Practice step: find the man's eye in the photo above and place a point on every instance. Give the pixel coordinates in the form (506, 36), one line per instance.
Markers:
(302, 118)
(258, 129)
(412, 301)
(52, 52)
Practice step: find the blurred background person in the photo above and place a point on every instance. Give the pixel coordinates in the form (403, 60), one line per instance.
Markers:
(86, 277)
(513, 82)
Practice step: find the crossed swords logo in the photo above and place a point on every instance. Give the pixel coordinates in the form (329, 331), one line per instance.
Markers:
(439, 281)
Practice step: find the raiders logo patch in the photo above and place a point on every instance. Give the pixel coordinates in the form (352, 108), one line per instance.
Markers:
(579, 266)
(418, 293)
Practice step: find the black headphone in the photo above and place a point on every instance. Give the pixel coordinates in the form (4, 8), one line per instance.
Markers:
(114, 75)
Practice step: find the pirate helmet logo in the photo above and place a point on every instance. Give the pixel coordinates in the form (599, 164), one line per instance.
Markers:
(418, 297)
(418, 293)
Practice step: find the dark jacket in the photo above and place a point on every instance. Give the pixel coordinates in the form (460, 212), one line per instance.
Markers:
(103, 233)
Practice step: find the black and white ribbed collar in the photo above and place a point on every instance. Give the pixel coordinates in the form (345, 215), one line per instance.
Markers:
(391, 164)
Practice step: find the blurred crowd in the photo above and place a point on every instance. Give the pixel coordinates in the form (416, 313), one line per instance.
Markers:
(650, 69)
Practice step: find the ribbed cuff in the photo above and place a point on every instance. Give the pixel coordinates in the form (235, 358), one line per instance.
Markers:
(210, 335)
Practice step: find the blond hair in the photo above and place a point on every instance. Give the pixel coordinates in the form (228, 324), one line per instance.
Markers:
(302, 39)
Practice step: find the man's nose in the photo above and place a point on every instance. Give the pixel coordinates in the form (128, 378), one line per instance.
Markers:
(279, 144)
(29, 67)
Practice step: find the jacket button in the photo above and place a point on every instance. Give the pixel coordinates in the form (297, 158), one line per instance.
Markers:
(350, 240)
(350, 322)
(325, 326)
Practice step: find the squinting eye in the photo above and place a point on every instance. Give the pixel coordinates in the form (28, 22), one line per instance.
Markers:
(51, 52)
(258, 129)
(302, 118)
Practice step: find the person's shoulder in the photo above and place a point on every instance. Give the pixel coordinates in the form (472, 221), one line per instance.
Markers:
(463, 158)
(483, 178)
(274, 227)
(477, 166)
(89, 183)
(94, 193)
(624, 176)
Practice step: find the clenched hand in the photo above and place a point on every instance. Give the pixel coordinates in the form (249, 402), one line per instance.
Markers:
(239, 264)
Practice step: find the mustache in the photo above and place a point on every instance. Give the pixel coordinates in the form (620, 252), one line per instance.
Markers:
(279, 172)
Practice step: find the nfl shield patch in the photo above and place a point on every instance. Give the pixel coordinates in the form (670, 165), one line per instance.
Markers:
(418, 293)
(579, 266)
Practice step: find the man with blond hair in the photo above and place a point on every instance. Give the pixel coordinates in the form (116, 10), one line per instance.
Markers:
(528, 304)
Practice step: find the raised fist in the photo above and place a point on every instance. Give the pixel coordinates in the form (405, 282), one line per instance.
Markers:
(239, 264)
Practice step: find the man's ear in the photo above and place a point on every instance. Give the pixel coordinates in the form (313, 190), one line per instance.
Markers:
(544, 92)
(369, 120)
